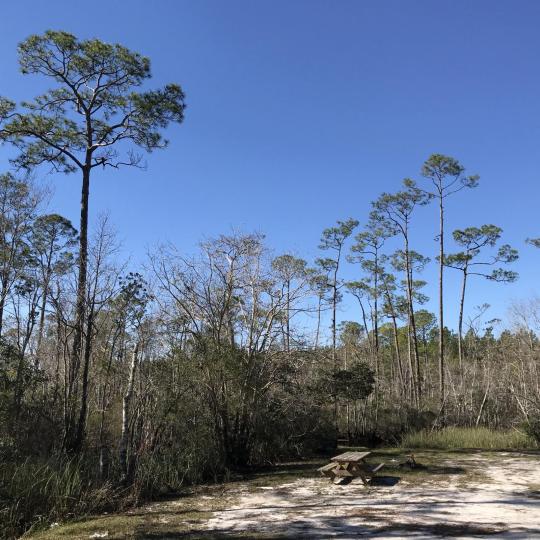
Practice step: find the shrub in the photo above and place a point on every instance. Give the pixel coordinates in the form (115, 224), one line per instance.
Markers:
(532, 428)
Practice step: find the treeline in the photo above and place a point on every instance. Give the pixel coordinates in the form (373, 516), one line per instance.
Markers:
(119, 383)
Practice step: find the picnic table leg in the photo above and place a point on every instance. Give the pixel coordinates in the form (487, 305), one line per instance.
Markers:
(334, 475)
(337, 477)
(356, 470)
(363, 478)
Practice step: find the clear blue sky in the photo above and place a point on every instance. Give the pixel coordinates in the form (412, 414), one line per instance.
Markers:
(302, 112)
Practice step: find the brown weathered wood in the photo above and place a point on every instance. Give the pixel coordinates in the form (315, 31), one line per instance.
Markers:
(328, 470)
(327, 467)
(350, 465)
(350, 457)
(343, 473)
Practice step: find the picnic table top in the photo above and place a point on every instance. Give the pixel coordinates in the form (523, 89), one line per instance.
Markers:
(350, 457)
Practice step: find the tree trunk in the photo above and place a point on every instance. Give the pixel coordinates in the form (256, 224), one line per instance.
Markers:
(288, 316)
(375, 306)
(318, 322)
(483, 403)
(81, 424)
(376, 324)
(3, 296)
(46, 280)
(334, 343)
(72, 444)
(396, 339)
(460, 322)
(41, 322)
(334, 309)
(416, 377)
(441, 301)
(126, 404)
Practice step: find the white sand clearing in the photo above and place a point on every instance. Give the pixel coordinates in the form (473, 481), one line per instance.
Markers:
(474, 496)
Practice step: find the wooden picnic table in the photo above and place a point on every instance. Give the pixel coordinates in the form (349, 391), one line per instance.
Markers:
(350, 465)
(350, 457)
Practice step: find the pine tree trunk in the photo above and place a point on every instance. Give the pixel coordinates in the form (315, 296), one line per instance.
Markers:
(318, 323)
(288, 316)
(460, 322)
(441, 301)
(81, 424)
(72, 444)
(415, 375)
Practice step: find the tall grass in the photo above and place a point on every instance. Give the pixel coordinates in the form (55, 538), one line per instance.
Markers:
(479, 437)
(34, 493)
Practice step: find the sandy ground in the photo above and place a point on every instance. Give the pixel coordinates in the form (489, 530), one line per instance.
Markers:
(477, 496)
(462, 494)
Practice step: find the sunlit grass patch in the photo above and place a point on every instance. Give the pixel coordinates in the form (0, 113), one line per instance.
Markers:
(159, 520)
(480, 437)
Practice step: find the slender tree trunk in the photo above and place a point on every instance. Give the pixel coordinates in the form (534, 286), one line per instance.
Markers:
(126, 404)
(460, 322)
(318, 322)
(41, 325)
(376, 320)
(288, 316)
(41, 322)
(58, 355)
(3, 296)
(416, 377)
(334, 351)
(411, 378)
(427, 381)
(347, 407)
(334, 309)
(334, 336)
(397, 349)
(484, 399)
(376, 304)
(396, 340)
(441, 301)
(46, 280)
(364, 322)
(417, 359)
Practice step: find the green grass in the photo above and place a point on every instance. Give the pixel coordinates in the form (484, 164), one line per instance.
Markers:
(481, 438)
(34, 493)
(183, 517)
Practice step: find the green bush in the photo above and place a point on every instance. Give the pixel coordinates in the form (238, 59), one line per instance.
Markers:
(393, 423)
(532, 428)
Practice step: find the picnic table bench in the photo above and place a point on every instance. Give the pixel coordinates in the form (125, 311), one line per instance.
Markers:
(350, 465)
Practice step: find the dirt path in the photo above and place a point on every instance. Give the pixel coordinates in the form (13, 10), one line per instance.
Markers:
(457, 495)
